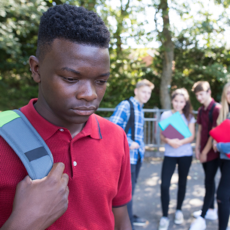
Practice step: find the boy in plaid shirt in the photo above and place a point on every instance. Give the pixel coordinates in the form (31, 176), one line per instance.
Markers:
(135, 135)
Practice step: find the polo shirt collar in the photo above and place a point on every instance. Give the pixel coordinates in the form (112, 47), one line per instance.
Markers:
(210, 105)
(92, 128)
(47, 129)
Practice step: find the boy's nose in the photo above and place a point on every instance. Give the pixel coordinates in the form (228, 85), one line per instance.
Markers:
(87, 92)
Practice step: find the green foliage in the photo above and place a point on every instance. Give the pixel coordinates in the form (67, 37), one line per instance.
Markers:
(192, 65)
(19, 21)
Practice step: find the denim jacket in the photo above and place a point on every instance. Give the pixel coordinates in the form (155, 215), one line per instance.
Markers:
(224, 149)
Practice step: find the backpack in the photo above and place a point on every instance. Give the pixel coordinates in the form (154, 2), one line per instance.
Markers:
(22, 137)
(210, 116)
(131, 121)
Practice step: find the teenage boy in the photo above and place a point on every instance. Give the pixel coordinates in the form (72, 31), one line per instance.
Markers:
(135, 135)
(206, 119)
(91, 187)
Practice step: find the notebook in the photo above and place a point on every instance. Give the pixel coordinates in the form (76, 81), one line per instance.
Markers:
(178, 123)
(171, 133)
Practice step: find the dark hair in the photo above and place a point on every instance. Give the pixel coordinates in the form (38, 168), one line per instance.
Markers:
(187, 110)
(72, 23)
(201, 86)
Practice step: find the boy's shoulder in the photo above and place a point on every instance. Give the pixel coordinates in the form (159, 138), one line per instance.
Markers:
(125, 103)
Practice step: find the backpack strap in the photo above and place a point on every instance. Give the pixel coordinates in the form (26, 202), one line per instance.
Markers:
(32, 150)
(131, 121)
(210, 116)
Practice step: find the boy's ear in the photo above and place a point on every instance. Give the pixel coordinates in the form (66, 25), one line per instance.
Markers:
(34, 68)
(135, 91)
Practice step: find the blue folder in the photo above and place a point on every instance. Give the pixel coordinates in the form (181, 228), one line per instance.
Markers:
(178, 123)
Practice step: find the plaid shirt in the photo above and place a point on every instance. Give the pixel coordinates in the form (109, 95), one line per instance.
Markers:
(121, 116)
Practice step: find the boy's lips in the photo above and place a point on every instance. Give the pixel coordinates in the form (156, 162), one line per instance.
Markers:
(84, 111)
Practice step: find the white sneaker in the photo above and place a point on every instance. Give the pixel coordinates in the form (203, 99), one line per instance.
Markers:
(211, 214)
(179, 217)
(164, 223)
(198, 224)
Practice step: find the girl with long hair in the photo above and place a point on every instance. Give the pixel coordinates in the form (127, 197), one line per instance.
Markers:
(223, 191)
(177, 152)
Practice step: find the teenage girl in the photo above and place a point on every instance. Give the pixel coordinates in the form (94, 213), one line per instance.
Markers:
(177, 152)
(223, 191)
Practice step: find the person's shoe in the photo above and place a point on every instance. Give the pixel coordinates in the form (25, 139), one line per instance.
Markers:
(164, 223)
(138, 221)
(179, 217)
(198, 224)
(211, 214)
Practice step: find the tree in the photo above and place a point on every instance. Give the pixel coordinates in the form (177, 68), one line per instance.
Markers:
(168, 54)
(204, 27)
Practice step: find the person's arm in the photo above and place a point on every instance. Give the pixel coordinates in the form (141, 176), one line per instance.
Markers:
(176, 143)
(120, 117)
(121, 216)
(209, 144)
(39, 203)
(223, 147)
(204, 153)
(198, 139)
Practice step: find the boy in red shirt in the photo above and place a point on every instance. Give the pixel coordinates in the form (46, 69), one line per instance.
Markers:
(207, 116)
(92, 185)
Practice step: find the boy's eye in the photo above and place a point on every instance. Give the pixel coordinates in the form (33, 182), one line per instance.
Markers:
(69, 79)
(101, 82)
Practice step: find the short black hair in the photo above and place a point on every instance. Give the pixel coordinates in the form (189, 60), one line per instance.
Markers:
(72, 23)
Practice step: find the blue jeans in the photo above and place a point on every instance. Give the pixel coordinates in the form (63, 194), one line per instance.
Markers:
(135, 169)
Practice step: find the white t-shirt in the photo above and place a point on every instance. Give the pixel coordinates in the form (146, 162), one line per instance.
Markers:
(184, 150)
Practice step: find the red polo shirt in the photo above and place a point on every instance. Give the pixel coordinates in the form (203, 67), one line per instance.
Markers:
(203, 120)
(96, 160)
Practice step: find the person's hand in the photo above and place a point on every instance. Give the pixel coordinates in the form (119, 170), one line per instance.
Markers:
(203, 157)
(197, 153)
(134, 145)
(214, 146)
(39, 203)
(175, 143)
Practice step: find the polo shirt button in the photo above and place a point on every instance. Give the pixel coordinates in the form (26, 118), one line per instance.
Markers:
(62, 130)
(74, 163)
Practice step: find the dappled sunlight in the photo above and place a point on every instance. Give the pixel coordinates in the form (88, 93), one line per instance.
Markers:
(153, 181)
(147, 203)
(196, 202)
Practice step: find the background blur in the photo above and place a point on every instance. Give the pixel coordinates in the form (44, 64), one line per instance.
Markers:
(173, 43)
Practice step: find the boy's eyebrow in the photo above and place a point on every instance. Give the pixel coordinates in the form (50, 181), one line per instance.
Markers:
(71, 70)
(105, 74)
(76, 72)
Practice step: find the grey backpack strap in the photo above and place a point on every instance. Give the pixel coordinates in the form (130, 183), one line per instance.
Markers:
(27, 143)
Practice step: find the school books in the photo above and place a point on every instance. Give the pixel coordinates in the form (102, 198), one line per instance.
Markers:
(171, 133)
(175, 127)
(220, 133)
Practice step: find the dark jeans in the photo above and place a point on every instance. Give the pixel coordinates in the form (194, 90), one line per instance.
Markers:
(223, 194)
(168, 168)
(210, 169)
(135, 169)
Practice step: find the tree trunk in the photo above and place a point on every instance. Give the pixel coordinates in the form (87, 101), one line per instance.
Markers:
(168, 50)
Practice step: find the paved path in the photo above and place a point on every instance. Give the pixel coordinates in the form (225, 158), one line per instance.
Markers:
(147, 195)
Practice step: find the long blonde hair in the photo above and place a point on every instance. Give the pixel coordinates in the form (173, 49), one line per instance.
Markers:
(224, 105)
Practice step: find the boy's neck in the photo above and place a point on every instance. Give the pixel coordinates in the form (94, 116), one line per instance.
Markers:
(207, 103)
(138, 100)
